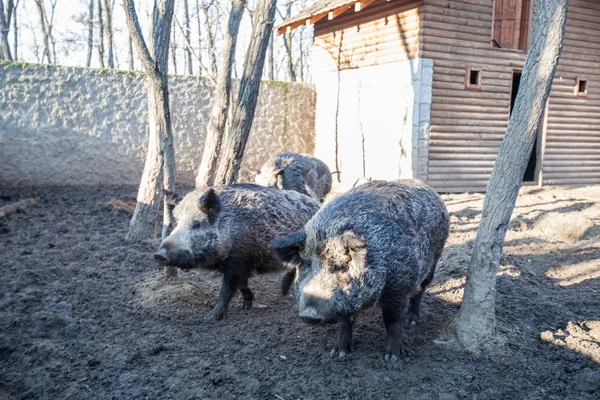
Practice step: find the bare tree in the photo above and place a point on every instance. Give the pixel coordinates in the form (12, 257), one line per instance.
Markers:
(159, 170)
(109, 32)
(218, 115)
(46, 30)
(475, 325)
(100, 34)
(186, 35)
(174, 52)
(287, 42)
(130, 52)
(4, 27)
(90, 22)
(271, 56)
(211, 38)
(199, 35)
(15, 33)
(243, 108)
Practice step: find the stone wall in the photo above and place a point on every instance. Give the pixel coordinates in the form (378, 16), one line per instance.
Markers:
(76, 126)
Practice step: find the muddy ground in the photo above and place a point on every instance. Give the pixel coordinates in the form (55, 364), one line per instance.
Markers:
(85, 315)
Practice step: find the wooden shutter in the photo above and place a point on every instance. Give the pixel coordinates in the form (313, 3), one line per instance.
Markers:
(507, 22)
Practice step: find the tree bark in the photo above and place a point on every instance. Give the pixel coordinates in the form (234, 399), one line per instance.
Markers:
(88, 61)
(130, 52)
(475, 325)
(174, 54)
(4, 27)
(188, 53)
(211, 39)
(15, 33)
(100, 34)
(40, 7)
(199, 37)
(243, 108)
(109, 32)
(159, 170)
(218, 115)
(272, 56)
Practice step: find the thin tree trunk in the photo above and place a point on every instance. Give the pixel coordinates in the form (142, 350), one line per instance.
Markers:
(159, 171)
(100, 34)
(40, 7)
(109, 32)
(476, 321)
(174, 54)
(130, 52)
(211, 40)
(15, 34)
(199, 37)
(218, 115)
(88, 61)
(186, 34)
(287, 42)
(245, 105)
(50, 26)
(4, 27)
(271, 56)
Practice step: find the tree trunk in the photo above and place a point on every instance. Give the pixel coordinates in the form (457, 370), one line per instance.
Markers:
(109, 32)
(88, 61)
(211, 40)
(4, 26)
(15, 34)
(218, 115)
(130, 52)
(245, 105)
(40, 7)
(174, 54)
(188, 53)
(199, 37)
(287, 42)
(271, 56)
(476, 321)
(100, 34)
(159, 171)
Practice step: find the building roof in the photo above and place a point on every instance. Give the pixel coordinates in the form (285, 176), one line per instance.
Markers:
(319, 10)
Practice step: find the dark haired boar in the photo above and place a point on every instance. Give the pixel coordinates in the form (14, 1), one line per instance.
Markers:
(228, 228)
(301, 173)
(378, 243)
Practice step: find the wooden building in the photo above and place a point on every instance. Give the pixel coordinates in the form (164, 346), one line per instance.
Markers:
(424, 89)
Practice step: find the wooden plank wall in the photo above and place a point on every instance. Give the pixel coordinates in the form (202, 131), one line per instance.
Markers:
(383, 32)
(572, 151)
(467, 126)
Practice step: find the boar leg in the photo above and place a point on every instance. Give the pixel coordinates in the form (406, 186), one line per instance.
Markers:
(247, 295)
(393, 315)
(287, 281)
(344, 344)
(414, 306)
(235, 277)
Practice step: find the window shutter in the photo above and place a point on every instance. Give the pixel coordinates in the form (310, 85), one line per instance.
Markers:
(507, 23)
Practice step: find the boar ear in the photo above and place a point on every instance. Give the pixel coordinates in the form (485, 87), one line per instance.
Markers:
(171, 198)
(347, 251)
(288, 248)
(210, 205)
(278, 173)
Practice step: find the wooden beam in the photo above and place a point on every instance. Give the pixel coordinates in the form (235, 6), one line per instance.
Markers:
(360, 5)
(337, 11)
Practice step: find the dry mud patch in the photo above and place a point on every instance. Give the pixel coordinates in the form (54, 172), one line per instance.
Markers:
(85, 315)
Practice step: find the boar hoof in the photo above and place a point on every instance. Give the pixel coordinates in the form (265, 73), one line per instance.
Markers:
(216, 315)
(247, 304)
(339, 354)
(412, 319)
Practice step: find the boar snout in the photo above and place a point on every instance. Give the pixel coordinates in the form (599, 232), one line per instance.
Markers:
(162, 257)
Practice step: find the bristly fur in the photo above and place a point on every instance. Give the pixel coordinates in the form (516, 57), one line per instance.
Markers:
(301, 173)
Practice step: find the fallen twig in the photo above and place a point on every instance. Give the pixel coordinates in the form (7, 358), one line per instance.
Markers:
(23, 205)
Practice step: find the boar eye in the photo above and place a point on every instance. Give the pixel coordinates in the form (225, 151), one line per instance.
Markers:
(196, 225)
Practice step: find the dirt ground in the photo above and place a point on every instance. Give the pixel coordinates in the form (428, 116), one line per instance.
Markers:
(85, 315)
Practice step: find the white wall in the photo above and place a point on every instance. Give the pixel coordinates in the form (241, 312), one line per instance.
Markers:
(380, 111)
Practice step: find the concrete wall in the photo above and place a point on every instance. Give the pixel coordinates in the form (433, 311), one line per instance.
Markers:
(373, 121)
(74, 126)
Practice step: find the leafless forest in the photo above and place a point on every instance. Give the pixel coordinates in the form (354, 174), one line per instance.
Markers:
(93, 33)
